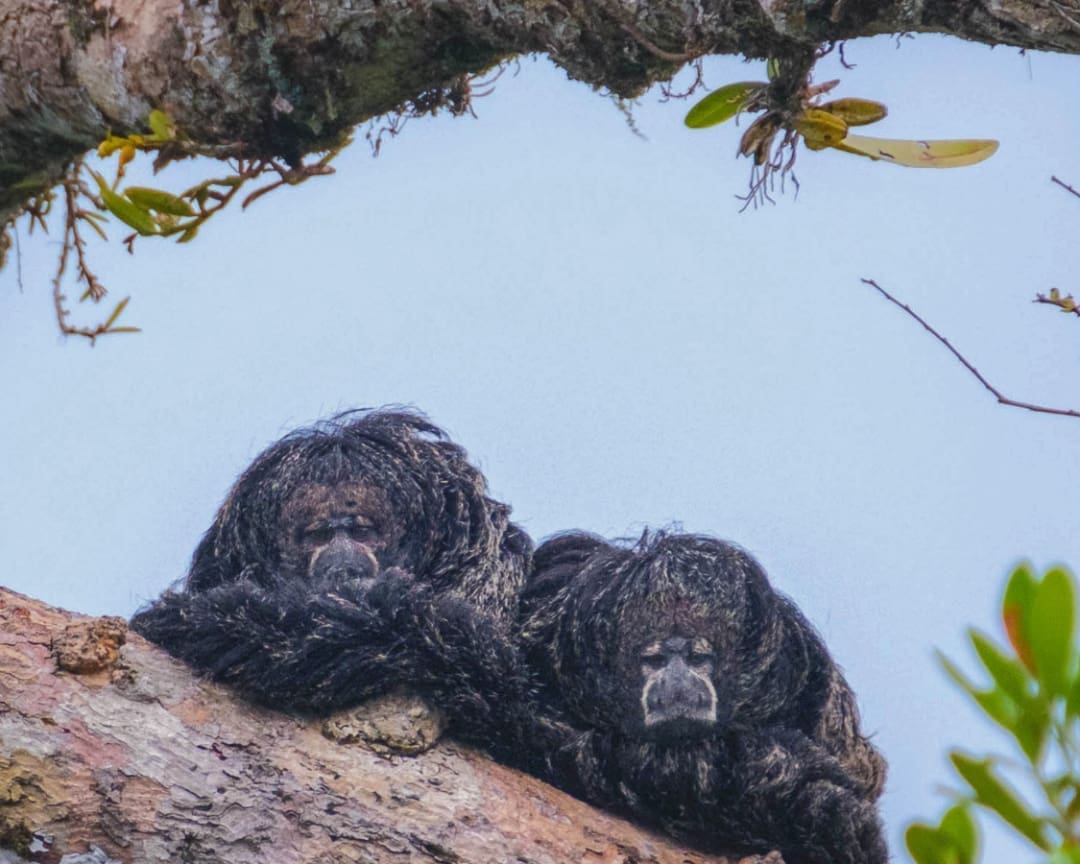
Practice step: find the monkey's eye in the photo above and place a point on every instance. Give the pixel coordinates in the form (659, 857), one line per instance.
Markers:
(361, 531)
(700, 658)
(653, 661)
(319, 535)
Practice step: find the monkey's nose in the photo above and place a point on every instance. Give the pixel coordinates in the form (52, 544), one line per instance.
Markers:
(337, 564)
(677, 697)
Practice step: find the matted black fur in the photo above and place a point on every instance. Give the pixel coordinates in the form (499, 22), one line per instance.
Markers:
(776, 760)
(350, 557)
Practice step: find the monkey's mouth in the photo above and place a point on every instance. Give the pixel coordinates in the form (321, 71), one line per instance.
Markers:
(681, 716)
(679, 707)
(677, 729)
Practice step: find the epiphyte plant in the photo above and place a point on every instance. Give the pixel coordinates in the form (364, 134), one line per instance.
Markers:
(772, 137)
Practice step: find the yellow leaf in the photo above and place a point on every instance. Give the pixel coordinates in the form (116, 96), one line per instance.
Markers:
(116, 313)
(921, 154)
(856, 112)
(110, 145)
(819, 128)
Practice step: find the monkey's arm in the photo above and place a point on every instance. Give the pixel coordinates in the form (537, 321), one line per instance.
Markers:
(795, 793)
(325, 647)
(275, 643)
(839, 731)
(321, 647)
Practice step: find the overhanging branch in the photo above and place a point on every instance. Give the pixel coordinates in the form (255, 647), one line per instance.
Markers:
(284, 79)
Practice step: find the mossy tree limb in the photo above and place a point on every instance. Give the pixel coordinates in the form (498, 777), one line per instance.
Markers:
(285, 78)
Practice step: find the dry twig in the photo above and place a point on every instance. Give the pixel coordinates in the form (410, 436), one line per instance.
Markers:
(1004, 400)
(1065, 186)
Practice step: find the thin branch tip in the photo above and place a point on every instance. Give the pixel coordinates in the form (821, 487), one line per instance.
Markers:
(1001, 398)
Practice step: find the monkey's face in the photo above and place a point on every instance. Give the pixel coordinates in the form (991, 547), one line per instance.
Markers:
(677, 696)
(338, 532)
(669, 651)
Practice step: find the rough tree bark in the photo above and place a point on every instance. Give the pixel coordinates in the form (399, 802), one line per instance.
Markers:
(285, 78)
(117, 747)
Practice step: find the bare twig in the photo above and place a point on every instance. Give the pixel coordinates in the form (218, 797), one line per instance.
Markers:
(667, 93)
(1004, 400)
(1065, 186)
(73, 188)
(1065, 303)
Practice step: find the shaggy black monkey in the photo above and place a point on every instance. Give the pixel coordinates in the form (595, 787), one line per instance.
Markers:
(683, 689)
(346, 560)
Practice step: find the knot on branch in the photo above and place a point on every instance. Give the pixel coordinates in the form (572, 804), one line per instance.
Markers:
(86, 647)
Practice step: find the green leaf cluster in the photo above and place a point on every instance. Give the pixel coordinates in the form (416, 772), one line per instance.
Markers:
(1032, 694)
(149, 211)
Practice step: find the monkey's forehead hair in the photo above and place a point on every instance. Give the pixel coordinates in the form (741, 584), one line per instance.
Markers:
(398, 450)
(663, 563)
(604, 596)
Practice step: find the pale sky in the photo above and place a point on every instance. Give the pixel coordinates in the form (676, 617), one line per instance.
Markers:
(588, 313)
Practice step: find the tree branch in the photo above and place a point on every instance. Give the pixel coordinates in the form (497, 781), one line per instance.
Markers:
(123, 749)
(1004, 400)
(1065, 186)
(294, 77)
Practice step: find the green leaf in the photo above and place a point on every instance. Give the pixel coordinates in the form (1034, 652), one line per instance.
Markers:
(159, 200)
(161, 124)
(1052, 622)
(723, 104)
(1016, 612)
(772, 68)
(1072, 701)
(189, 234)
(1032, 728)
(927, 845)
(994, 794)
(125, 210)
(958, 677)
(954, 841)
(996, 704)
(999, 707)
(960, 828)
(1007, 673)
(920, 154)
(1065, 855)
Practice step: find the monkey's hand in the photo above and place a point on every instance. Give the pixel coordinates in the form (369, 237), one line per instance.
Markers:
(398, 723)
